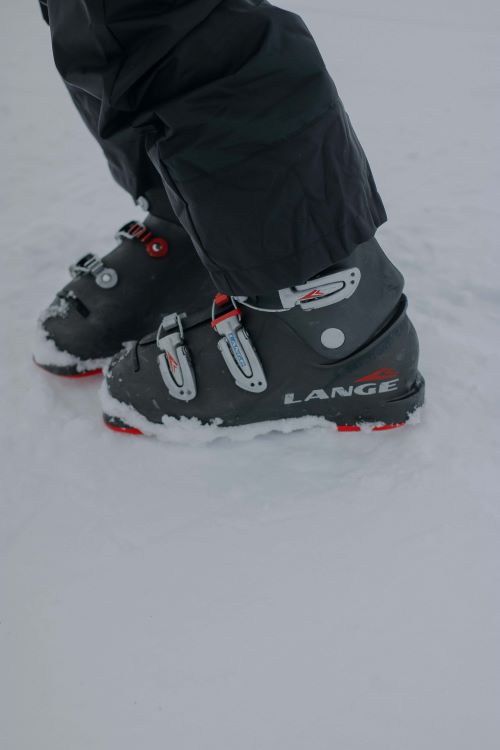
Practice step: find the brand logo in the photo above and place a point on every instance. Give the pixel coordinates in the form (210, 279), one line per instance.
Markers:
(370, 385)
(172, 362)
(238, 354)
(386, 373)
(312, 295)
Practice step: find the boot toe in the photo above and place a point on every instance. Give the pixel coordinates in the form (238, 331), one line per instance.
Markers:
(135, 378)
(62, 344)
(130, 395)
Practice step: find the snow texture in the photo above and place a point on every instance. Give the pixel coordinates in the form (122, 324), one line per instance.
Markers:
(309, 590)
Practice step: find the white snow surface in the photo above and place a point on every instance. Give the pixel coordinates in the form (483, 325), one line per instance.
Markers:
(306, 590)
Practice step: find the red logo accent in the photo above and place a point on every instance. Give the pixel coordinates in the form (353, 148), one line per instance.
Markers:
(312, 295)
(172, 362)
(387, 373)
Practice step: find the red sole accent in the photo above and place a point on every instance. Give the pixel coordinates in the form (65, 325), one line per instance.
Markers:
(356, 428)
(85, 374)
(76, 375)
(388, 427)
(124, 430)
(340, 428)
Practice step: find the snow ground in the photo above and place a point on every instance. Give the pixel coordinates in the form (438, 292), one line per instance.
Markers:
(311, 590)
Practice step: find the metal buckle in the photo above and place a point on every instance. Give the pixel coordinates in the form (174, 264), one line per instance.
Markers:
(174, 361)
(130, 231)
(327, 290)
(156, 247)
(91, 264)
(238, 352)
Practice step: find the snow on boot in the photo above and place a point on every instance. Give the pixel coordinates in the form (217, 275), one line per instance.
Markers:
(153, 271)
(341, 348)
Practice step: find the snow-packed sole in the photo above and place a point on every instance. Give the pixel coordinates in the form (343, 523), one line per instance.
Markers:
(58, 362)
(118, 425)
(123, 418)
(69, 372)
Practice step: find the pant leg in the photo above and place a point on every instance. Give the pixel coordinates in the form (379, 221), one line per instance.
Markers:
(44, 9)
(127, 157)
(243, 122)
(125, 152)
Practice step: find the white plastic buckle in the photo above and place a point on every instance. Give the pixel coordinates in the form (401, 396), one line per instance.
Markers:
(126, 234)
(174, 361)
(239, 354)
(106, 278)
(321, 292)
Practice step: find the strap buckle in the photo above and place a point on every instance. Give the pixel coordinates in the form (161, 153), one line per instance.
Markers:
(91, 264)
(130, 231)
(321, 292)
(174, 361)
(236, 347)
(156, 247)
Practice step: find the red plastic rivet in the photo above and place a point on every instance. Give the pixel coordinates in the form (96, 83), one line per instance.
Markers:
(157, 247)
(221, 299)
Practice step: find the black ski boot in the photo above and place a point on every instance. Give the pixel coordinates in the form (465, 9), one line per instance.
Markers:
(153, 271)
(340, 348)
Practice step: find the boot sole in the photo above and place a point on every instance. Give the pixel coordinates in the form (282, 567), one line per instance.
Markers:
(398, 413)
(117, 425)
(73, 371)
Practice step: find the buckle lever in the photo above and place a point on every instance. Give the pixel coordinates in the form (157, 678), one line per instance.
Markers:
(174, 361)
(92, 265)
(238, 352)
(321, 292)
(156, 247)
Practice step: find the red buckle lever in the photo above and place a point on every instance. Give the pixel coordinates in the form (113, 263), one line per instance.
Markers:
(228, 309)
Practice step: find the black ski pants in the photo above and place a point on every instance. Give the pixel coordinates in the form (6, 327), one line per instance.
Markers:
(222, 111)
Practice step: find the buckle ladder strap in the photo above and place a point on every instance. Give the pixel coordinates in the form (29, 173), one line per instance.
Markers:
(236, 347)
(175, 361)
(91, 264)
(133, 230)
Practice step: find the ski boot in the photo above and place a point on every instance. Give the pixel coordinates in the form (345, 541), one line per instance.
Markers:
(338, 348)
(153, 271)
